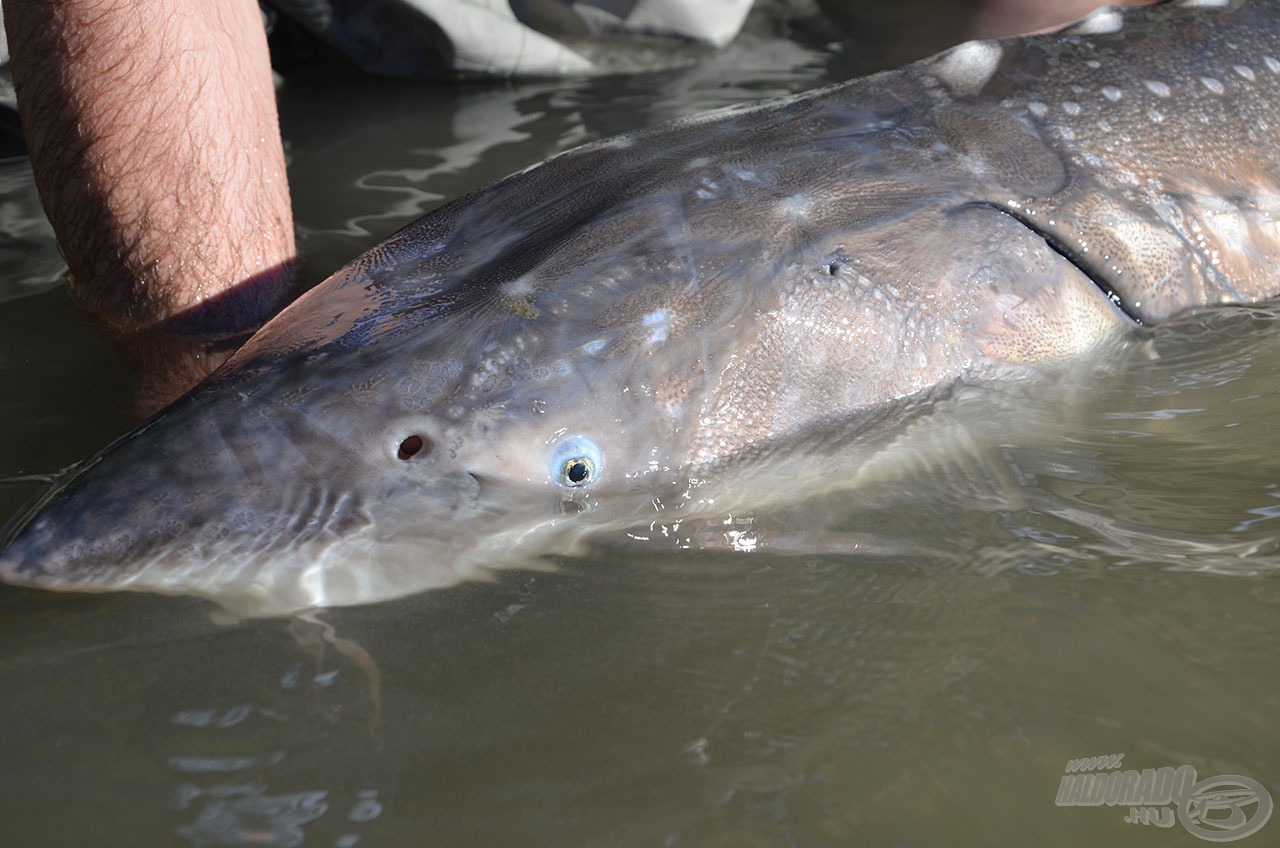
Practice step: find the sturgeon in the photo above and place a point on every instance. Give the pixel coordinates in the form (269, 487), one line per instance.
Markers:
(710, 316)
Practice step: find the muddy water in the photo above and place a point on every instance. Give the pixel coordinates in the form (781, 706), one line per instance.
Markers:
(1086, 565)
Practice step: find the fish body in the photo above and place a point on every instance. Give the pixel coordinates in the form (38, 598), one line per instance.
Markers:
(704, 318)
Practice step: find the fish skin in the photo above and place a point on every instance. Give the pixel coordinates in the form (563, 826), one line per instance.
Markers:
(706, 317)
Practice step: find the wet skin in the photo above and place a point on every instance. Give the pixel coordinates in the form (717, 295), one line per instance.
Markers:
(712, 317)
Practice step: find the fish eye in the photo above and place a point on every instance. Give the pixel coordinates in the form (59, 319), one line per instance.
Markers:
(575, 462)
(577, 471)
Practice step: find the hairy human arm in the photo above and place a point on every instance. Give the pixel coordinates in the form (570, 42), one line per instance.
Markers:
(153, 132)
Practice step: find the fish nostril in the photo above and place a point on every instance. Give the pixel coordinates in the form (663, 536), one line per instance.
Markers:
(411, 446)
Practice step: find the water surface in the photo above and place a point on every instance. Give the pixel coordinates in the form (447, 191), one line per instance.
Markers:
(1086, 565)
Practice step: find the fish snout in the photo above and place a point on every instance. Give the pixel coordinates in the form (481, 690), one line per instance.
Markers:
(80, 535)
(159, 510)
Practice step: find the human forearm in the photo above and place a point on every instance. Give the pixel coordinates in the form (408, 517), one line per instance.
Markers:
(153, 132)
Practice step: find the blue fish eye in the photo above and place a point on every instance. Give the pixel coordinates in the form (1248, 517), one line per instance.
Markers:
(575, 462)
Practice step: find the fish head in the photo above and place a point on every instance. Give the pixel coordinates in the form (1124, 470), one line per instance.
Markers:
(369, 443)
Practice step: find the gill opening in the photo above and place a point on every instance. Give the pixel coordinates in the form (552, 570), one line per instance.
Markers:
(1099, 281)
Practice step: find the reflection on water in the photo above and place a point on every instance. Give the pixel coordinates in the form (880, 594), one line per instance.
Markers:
(1080, 565)
(29, 259)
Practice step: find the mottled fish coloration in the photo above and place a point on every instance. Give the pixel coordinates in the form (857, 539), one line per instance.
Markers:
(667, 318)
